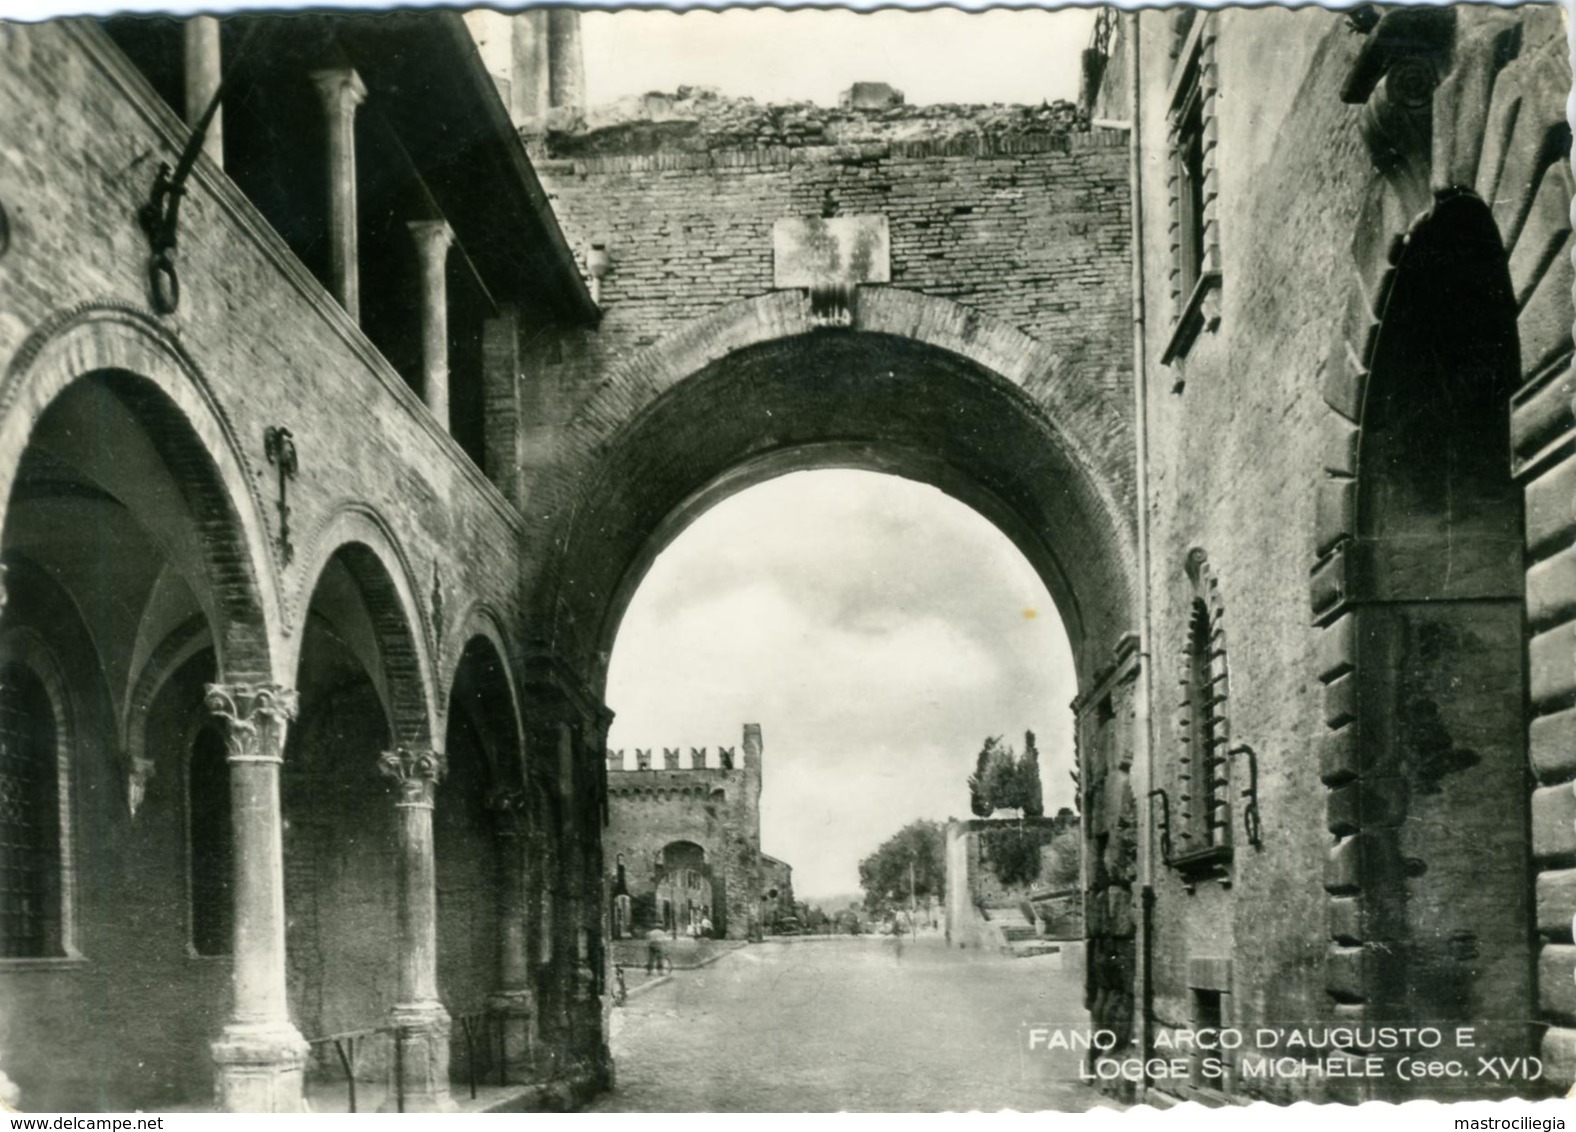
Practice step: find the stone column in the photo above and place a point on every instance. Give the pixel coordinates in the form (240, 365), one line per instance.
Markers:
(433, 239)
(566, 66)
(259, 1054)
(203, 74)
(418, 1014)
(513, 1003)
(342, 91)
(530, 88)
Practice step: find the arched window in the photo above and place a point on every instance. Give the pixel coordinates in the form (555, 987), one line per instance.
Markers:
(30, 874)
(1203, 776)
(211, 844)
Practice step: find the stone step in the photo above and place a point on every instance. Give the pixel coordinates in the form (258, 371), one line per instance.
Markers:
(1005, 913)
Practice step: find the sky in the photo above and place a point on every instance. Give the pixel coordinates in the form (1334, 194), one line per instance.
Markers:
(876, 629)
(777, 56)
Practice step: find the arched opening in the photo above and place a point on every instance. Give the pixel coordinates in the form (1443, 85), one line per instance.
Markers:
(924, 402)
(865, 400)
(127, 577)
(880, 631)
(683, 890)
(358, 699)
(477, 846)
(1440, 642)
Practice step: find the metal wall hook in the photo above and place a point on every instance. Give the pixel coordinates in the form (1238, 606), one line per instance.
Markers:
(159, 217)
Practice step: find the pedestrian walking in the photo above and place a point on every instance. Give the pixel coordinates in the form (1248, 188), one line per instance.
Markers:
(654, 951)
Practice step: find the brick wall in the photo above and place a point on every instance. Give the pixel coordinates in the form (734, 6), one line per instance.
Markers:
(1033, 231)
(1247, 432)
(1009, 261)
(74, 181)
(256, 342)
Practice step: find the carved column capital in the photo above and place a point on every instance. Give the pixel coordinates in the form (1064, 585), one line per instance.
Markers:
(255, 718)
(416, 772)
(341, 89)
(433, 238)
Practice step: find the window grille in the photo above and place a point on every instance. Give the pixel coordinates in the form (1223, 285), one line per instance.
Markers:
(1203, 797)
(1203, 772)
(29, 818)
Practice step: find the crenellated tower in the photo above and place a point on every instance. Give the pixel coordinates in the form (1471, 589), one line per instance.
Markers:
(686, 828)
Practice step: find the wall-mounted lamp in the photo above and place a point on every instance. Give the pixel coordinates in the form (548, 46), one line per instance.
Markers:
(598, 264)
(279, 447)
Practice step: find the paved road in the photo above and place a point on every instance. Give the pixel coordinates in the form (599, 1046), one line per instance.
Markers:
(847, 1023)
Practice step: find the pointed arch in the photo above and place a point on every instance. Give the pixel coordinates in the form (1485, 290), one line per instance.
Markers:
(147, 368)
(358, 537)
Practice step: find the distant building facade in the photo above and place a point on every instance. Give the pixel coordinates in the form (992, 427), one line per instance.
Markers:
(683, 841)
(777, 903)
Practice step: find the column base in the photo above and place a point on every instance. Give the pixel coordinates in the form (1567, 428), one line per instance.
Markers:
(515, 1011)
(419, 1068)
(259, 1068)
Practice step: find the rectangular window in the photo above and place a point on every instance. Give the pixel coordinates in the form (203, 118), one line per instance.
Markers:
(1192, 188)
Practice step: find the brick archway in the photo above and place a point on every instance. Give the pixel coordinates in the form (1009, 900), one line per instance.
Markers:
(919, 387)
(476, 624)
(172, 399)
(357, 537)
(480, 674)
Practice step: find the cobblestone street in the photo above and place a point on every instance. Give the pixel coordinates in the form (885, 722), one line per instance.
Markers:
(848, 1023)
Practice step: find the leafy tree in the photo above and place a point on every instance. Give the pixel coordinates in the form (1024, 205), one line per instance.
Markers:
(1002, 783)
(1002, 780)
(884, 875)
(1014, 853)
(1030, 797)
(994, 781)
(979, 781)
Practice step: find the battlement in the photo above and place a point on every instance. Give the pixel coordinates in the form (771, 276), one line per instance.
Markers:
(700, 760)
(640, 759)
